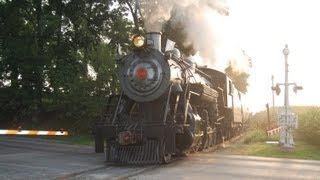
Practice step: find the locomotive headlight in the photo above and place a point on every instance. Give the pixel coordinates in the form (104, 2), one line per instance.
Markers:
(138, 40)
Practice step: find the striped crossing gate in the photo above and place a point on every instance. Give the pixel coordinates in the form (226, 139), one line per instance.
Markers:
(33, 132)
(275, 131)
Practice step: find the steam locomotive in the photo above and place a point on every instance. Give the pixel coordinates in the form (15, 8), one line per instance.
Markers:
(167, 106)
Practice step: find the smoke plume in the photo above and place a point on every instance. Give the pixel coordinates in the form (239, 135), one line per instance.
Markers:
(205, 24)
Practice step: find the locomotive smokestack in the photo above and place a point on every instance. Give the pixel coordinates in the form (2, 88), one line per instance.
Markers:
(154, 40)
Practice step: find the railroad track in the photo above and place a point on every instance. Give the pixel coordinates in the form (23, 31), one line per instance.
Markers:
(127, 171)
(109, 172)
(36, 158)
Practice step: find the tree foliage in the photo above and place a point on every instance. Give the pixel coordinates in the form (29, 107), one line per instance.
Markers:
(45, 49)
(239, 78)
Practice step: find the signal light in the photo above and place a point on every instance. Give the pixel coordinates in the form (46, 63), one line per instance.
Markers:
(277, 89)
(296, 88)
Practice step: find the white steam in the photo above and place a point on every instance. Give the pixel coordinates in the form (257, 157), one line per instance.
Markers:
(155, 13)
(240, 61)
(206, 25)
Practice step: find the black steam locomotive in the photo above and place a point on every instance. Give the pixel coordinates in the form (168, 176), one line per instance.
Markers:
(167, 106)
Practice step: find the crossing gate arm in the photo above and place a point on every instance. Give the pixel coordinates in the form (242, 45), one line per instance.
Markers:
(33, 132)
(275, 131)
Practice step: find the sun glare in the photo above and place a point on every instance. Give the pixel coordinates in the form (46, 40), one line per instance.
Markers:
(262, 28)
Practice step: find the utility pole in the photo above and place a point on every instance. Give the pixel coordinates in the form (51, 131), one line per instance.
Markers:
(272, 81)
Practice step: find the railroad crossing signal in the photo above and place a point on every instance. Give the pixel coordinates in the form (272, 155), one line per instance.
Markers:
(296, 88)
(276, 89)
(287, 120)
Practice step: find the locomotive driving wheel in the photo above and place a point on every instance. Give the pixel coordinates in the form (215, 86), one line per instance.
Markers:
(206, 134)
(166, 158)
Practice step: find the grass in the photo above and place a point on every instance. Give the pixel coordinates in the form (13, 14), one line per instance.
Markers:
(258, 147)
(306, 137)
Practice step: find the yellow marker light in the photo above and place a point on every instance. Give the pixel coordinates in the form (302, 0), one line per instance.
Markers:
(138, 40)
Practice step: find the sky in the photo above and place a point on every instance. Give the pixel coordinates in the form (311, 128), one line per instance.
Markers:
(262, 28)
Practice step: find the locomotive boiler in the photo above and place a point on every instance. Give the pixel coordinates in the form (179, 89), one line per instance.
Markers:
(167, 106)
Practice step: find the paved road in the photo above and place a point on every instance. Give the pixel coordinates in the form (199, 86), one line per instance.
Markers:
(34, 158)
(220, 166)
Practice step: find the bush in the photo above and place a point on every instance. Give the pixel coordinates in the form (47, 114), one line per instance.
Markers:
(309, 125)
(255, 135)
(260, 120)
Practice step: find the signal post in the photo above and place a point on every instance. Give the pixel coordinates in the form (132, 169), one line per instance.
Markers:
(287, 120)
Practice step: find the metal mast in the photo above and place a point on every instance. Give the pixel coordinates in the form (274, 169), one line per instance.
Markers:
(288, 142)
(287, 120)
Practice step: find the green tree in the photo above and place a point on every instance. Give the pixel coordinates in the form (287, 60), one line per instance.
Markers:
(21, 60)
(45, 49)
(240, 79)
